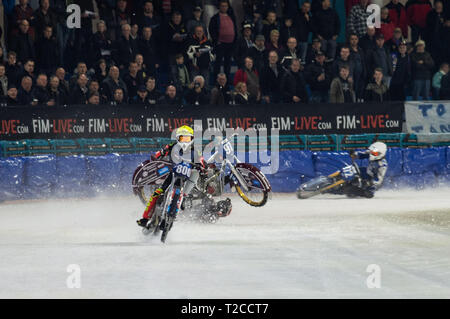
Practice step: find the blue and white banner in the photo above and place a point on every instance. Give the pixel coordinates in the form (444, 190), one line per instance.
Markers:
(428, 116)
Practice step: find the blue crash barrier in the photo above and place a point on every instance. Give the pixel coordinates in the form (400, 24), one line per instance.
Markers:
(11, 178)
(39, 176)
(71, 176)
(44, 176)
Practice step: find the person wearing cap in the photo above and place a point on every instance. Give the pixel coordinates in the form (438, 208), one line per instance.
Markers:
(357, 19)
(316, 46)
(258, 53)
(244, 43)
(318, 76)
(397, 14)
(422, 66)
(11, 98)
(196, 21)
(387, 27)
(327, 27)
(393, 43)
(380, 58)
(401, 73)
(141, 97)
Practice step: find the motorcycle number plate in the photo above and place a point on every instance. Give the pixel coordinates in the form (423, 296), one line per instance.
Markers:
(183, 169)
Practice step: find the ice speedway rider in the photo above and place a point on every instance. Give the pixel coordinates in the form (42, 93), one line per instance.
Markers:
(371, 177)
(184, 140)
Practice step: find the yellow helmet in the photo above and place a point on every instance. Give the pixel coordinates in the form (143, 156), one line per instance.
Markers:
(184, 131)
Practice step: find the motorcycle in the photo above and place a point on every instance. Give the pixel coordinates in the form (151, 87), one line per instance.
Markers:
(249, 182)
(336, 183)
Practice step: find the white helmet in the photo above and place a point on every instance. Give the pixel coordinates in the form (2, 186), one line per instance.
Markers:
(377, 151)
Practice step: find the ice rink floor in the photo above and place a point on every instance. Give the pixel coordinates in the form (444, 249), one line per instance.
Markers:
(315, 248)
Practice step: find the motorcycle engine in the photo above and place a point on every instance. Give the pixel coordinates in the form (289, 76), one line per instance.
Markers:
(214, 187)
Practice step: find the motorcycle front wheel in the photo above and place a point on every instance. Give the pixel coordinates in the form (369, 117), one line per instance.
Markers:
(254, 196)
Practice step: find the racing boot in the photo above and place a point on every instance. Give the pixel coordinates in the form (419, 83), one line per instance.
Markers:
(149, 210)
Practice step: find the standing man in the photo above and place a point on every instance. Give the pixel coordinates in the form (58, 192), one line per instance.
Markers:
(327, 28)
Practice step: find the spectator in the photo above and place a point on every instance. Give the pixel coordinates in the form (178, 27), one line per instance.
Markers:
(318, 76)
(111, 83)
(293, 85)
(101, 71)
(223, 32)
(197, 94)
(416, 12)
(397, 14)
(79, 94)
(289, 53)
(327, 27)
(181, 77)
(81, 69)
(357, 20)
(13, 70)
(274, 42)
(401, 74)
(290, 6)
(148, 18)
(377, 90)
(39, 93)
(380, 58)
(3, 81)
(368, 42)
(153, 95)
(133, 79)
(341, 90)
(445, 87)
(122, 17)
(258, 53)
(311, 54)
(288, 30)
(125, 48)
(44, 17)
(94, 87)
(270, 23)
(12, 96)
(28, 70)
(22, 43)
(422, 65)
(437, 78)
(134, 32)
(94, 99)
(199, 51)
(393, 44)
(244, 44)
(221, 93)
(434, 25)
(63, 84)
(171, 97)
(21, 12)
(141, 97)
(24, 94)
(343, 59)
(196, 21)
(148, 48)
(387, 26)
(118, 98)
(445, 40)
(176, 35)
(56, 96)
(270, 80)
(250, 76)
(358, 59)
(47, 52)
(101, 44)
(304, 28)
(241, 95)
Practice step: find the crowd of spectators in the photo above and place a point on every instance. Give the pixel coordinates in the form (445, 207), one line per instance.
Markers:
(163, 52)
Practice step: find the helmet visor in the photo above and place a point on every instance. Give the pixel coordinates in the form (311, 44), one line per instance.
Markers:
(184, 138)
(375, 153)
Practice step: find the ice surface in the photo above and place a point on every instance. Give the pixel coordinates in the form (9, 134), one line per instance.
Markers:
(315, 248)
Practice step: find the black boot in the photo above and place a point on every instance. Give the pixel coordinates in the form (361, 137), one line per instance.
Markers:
(142, 222)
(223, 207)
